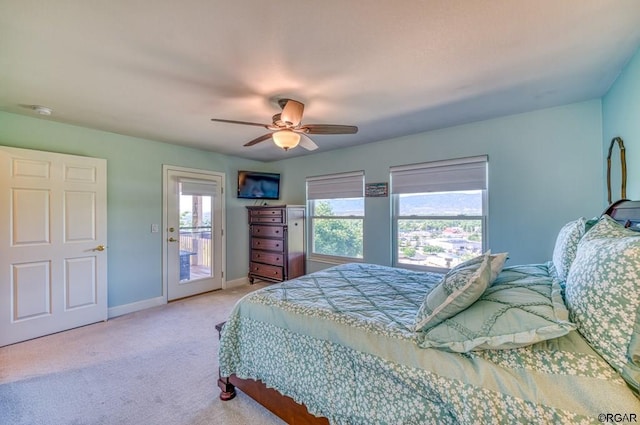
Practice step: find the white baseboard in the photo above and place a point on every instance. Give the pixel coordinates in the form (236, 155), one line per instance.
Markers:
(154, 302)
(119, 310)
(230, 284)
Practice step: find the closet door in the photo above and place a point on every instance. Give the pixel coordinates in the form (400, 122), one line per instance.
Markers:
(53, 239)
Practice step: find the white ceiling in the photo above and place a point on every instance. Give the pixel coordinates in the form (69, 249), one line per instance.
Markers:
(161, 69)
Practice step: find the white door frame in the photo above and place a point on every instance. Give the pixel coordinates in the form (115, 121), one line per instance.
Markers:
(165, 224)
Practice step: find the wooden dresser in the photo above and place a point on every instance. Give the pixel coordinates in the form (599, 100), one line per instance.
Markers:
(276, 242)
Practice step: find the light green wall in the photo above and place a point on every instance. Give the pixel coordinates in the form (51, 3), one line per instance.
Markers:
(545, 168)
(134, 190)
(621, 118)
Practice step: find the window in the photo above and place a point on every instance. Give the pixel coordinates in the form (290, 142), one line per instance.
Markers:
(439, 212)
(196, 204)
(336, 216)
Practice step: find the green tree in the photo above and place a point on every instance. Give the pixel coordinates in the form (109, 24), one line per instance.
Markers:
(408, 252)
(341, 237)
(185, 219)
(432, 249)
(475, 237)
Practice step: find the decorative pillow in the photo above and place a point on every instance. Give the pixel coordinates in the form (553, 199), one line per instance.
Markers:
(566, 245)
(497, 263)
(457, 290)
(603, 295)
(524, 306)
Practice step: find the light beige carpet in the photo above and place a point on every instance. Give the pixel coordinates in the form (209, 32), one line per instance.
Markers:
(157, 366)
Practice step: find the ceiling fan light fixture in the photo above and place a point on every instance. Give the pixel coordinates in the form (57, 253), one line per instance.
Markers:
(286, 129)
(286, 139)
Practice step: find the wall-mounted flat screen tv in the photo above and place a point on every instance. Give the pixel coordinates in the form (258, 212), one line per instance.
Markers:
(258, 185)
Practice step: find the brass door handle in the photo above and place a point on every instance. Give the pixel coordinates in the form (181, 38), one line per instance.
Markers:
(99, 248)
(172, 240)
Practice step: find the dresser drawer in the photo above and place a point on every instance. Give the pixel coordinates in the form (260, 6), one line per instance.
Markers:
(267, 257)
(266, 215)
(268, 244)
(267, 231)
(271, 272)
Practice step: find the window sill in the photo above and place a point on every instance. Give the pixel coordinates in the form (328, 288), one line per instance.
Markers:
(327, 259)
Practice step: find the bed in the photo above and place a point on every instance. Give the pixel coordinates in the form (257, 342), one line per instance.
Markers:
(364, 344)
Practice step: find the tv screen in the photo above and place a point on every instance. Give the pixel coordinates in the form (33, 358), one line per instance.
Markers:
(257, 185)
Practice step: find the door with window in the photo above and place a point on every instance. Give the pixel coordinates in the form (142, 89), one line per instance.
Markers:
(193, 231)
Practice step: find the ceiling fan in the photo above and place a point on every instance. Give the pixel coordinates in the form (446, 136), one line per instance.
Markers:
(288, 130)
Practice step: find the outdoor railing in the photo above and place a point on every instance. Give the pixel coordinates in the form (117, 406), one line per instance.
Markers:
(198, 241)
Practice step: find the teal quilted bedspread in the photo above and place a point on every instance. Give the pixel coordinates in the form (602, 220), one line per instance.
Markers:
(341, 342)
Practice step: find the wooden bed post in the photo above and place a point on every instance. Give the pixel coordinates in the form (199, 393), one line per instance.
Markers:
(227, 389)
(280, 405)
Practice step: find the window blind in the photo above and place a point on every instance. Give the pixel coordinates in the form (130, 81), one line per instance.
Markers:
(334, 186)
(441, 176)
(197, 188)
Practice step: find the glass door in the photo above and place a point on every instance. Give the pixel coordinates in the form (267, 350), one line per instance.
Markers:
(196, 248)
(193, 247)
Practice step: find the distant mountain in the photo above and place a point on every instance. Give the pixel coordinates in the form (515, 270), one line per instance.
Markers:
(454, 203)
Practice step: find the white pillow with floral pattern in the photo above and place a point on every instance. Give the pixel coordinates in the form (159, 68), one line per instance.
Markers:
(566, 246)
(603, 295)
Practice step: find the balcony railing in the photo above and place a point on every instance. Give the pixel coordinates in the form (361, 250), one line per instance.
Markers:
(198, 241)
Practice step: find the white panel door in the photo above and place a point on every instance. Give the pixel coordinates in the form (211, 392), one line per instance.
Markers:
(53, 233)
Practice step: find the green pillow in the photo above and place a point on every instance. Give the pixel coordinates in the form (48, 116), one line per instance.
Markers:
(566, 246)
(457, 290)
(590, 223)
(522, 307)
(603, 295)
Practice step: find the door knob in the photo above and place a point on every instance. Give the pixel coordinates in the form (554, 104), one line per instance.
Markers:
(172, 240)
(99, 248)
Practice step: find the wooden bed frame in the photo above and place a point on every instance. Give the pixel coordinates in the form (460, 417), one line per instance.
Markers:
(626, 213)
(623, 211)
(280, 405)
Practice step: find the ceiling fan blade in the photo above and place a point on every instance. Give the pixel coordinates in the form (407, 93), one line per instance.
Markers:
(292, 112)
(329, 129)
(240, 122)
(258, 140)
(307, 143)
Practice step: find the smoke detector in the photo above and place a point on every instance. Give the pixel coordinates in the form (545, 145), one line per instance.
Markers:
(42, 110)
